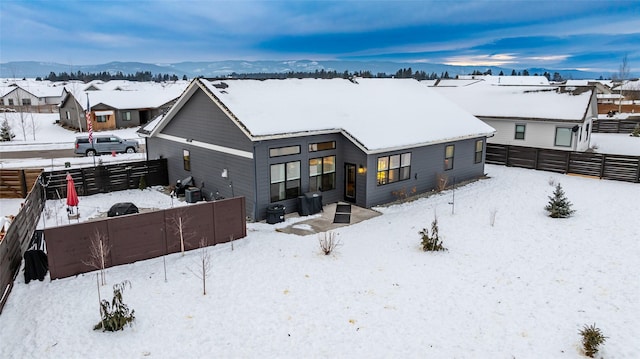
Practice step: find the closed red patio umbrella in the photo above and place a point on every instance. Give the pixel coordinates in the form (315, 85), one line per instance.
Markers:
(72, 195)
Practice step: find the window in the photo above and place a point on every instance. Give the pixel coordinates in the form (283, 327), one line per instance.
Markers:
(563, 136)
(68, 115)
(10, 102)
(479, 148)
(101, 118)
(186, 160)
(448, 157)
(126, 116)
(26, 102)
(2, 101)
(520, 132)
(322, 173)
(587, 132)
(284, 151)
(322, 146)
(285, 181)
(394, 168)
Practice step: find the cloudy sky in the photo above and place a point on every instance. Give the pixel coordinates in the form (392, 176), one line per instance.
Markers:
(560, 34)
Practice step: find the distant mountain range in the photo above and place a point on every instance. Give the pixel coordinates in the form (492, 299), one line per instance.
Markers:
(33, 69)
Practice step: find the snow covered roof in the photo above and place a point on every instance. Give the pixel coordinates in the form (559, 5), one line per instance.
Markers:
(379, 114)
(630, 85)
(508, 80)
(134, 99)
(542, 102)
(151, 97)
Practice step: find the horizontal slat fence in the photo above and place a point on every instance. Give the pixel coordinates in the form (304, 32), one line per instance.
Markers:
(15, 183)
(17, 239)
(605, 166)
(614, 126)
(104, 179)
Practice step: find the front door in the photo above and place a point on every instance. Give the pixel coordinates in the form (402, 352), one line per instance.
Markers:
(350, 182)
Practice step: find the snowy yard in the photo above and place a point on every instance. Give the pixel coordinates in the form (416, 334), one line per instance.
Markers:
(521, 288)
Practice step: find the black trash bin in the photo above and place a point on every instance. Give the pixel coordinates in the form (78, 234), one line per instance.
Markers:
(303, 206)
(275, 213)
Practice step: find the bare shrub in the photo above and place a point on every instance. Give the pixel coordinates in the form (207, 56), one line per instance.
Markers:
(403, 194)
(179, 224)
(328, 242)
(204, 265)
(441, 182)
(98, 253)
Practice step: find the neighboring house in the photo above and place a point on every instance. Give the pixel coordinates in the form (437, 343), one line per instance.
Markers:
(32, 96)
(366, 141)
(116, 109)
(531, 116)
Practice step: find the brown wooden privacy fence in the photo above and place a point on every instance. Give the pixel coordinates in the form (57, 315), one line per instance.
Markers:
(104, 179)
(17, 239)
(17, 183)
(605, 166)
(142, 236)
(615, 126)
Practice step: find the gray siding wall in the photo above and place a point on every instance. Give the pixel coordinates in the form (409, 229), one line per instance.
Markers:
(121, 123)
(426, 163)
(200, 119)
(345, 151)
(206, 168)
(75, 112)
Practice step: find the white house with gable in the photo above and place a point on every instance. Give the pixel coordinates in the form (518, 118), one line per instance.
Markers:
(530, 116)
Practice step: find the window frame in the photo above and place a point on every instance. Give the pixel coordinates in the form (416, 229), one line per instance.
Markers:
(324, 179)
(316, 146)
(284, 183)
(570, 131)
(284, 151)
(126, 116)
(393, 168)
(523, 132)
(186, 159)
(479, 154)
(448, 160)
(99, 118)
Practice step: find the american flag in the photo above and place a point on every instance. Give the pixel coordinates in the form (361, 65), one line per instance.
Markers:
(88, 117)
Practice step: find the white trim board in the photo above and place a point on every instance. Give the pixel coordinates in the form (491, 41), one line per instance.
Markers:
(209, 146)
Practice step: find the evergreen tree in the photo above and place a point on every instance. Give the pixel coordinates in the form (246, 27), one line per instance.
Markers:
(559, 206)
(513, 73)
(501, 73)
(5, 131)
(525, 72)
(557, 77)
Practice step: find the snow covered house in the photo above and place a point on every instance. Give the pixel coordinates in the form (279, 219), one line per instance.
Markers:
(530, 116)
(365, 141)
(34, 96)
(113, 109)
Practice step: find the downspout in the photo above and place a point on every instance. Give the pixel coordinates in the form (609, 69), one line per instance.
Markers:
(255, 183)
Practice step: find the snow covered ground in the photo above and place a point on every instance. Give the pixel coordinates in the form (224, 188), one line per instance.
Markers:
(521, 288)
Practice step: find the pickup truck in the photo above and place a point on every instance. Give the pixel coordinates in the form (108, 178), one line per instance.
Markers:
(104, 144)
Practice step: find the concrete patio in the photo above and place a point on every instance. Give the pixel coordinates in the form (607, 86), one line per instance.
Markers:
(323, 221)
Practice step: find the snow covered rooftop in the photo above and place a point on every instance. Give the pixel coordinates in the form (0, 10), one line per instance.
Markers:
(381, 114)
(507, 80)
(152, 97)
(540, 102)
